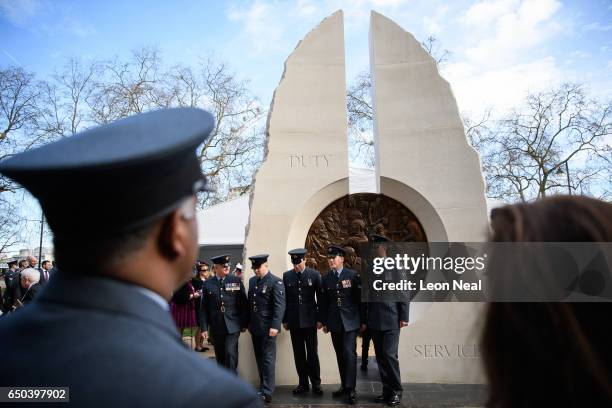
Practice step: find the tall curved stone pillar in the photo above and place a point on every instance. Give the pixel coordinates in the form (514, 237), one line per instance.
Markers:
(425, 162)
(305, 167)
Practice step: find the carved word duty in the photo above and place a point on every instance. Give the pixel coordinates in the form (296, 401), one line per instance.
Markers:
(309, 160)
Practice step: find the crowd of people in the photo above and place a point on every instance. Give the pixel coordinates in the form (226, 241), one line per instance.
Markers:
(22, 281)
(302, 302)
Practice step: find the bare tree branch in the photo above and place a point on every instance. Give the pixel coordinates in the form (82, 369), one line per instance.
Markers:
(526, 155)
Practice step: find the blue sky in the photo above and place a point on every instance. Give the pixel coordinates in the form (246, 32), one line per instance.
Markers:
(501, 48)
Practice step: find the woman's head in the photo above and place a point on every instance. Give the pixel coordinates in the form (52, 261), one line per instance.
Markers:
(554, 219)
(549, 354)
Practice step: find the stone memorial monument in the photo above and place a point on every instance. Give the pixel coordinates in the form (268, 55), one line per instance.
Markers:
(429, 183)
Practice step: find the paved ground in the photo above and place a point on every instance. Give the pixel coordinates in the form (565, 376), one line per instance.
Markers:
(369, 386)
(415, 396)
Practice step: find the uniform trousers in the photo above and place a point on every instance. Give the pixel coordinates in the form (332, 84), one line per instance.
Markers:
(365, 346)
(345, 344)
(226, 350)
(386, 344)
(304, 343)
(265, 356)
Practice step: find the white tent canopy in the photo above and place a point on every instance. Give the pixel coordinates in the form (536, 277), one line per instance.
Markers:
(225, 223)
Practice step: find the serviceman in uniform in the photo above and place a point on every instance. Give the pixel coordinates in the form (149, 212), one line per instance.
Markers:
(267, 305)
(104, 320)
(303, 288)
(224, 312)
(384, 321)
(11, 278)
(342, 316)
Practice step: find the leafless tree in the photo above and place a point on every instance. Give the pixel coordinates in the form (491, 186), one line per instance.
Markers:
(75, 82)
(83, 94)
(433, 47)
(11, 225)
(18, 93)
(361, 118)
(527, 154)
(234, 151)
(62, 103)
(124, 88)
(476, 129)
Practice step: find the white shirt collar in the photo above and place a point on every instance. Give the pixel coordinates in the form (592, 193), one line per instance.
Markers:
(153, 296)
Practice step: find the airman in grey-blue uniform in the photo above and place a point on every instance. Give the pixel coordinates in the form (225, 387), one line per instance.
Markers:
(224, 312)
(384, 321)
(303, 290)
(342, 316)
(267, 308)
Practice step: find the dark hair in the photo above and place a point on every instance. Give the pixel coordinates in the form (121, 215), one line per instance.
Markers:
(549, 354)
(45, 262)
(77, 254)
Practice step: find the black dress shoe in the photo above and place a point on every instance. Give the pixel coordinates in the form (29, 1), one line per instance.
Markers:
(338, 393)
(383, 398)
(393, 401)
(364, 367)
(266, 398)
(352, 397)
(300, 389)
(316, 390)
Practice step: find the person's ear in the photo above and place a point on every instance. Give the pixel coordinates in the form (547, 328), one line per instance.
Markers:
(173, 236)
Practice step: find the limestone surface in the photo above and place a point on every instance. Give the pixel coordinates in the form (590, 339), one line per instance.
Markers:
(305, 168)
(425, 162)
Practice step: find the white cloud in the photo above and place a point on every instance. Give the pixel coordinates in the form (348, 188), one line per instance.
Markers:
(597, 27)
(486, 12)
(505, 56)
(262, 25)
(387, 3)
(306, 8)
(514, 31)
(19, 12)
(44, 16)
(268, 25)
(435, 25)
(502, 88)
